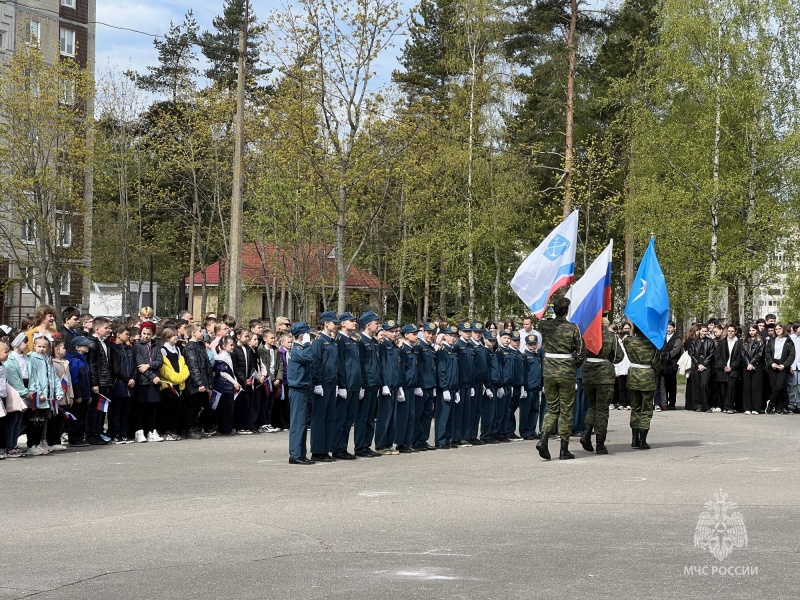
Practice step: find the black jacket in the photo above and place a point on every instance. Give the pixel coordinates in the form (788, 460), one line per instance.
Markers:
(100, 364)
(753, 353)
(123, 367)
(701, 351)
(670, 353)
(786, 358)
(201, 371)
(150, 355)
(721, 359)
(240, 371)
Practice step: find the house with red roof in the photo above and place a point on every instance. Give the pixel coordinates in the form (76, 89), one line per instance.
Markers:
(298, 281)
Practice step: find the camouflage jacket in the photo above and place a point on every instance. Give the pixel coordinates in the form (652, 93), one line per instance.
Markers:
(602, 373)
(641, 351)
(559, 336)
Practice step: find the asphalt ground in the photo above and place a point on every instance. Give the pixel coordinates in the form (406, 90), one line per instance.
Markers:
(230, 518)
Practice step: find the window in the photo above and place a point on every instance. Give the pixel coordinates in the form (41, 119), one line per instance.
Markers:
(29, 231)
(28, 276)
(32, 33)
(67, 42)
(67, 96)
(65, 282)
(64, 232)
(2, 40)
(68, 3)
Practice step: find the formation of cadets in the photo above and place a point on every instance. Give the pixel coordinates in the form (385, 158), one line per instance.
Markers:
(395, 389)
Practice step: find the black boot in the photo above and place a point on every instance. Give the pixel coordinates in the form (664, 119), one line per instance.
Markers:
(544, 451)
(635, 440)
(601, 444)
(643, 445)
(565, 454)
(586, 438)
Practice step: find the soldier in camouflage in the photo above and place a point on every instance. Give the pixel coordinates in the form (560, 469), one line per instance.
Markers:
(645, 365)
(598, 384)
(563, 354)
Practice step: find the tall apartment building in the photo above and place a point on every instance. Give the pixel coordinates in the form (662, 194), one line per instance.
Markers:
(60, 28)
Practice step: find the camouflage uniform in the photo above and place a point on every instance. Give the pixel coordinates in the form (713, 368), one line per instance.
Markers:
(560, 338)
(645, 365)
(598, 381)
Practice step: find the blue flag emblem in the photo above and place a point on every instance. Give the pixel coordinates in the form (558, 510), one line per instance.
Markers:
(648, 302)
(556, 248)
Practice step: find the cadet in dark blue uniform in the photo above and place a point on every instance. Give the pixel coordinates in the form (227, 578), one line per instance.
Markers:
(324, 375)
(349, 382)
(490, 394)
(480, 375)
(390, 378)
(447, 382)
(504, 384)
(404, 418)
(529, 405)
(425, 390)
(299, 379)
(370, 385)
(466, 356)
(518, 387)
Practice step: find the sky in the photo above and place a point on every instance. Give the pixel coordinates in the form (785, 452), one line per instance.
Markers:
(129, 50)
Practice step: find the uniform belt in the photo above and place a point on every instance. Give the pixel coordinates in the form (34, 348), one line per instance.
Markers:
(596, 360)
(550, 355)
(635, 366)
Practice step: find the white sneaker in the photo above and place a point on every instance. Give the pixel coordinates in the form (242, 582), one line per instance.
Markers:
(46, 447)
(717, 410)
(140, 439)
(36, 451)
(154, 437)
(58, 448)
(747, 412)
(171, 437)
(658, 409)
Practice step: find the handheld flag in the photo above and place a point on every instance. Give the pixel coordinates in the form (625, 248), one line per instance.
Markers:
(215, 400)
(250, 379)
(173, 390)
(68, 416)
(590, 296)
(549, 267)
(54, 406)
(648, 302)
(64, 386)
(102, 403)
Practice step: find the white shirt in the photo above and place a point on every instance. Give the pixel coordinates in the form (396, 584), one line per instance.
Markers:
(779, 343)
(523, 333)
(731, 344)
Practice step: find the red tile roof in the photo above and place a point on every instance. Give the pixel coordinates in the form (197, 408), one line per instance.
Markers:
(309, 264)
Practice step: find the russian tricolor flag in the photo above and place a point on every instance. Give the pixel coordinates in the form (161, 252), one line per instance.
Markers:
(549, 267)
(590, 296)
(102, 403)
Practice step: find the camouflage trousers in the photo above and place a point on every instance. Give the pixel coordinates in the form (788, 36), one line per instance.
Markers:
(600, 397)
(641, 408)
(560, 396)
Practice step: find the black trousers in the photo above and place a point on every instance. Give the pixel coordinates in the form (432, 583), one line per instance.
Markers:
(699, 381)
(146, 416)
(76, 430)
(118, 414)
(731, 387)
(671, 387)
(778, 399)
(752, 382)
(191, 408)
(169, 414)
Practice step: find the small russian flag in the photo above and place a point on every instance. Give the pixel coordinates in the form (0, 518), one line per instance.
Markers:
(250, 379)
(64, 385)
(54, 406)
(68, 416)
(102, 403)
(173, 390)
(215, 400)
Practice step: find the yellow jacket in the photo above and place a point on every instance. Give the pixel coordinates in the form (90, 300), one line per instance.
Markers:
(170, 376)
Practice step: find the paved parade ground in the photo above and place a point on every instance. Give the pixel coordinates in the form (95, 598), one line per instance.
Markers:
(230, 518)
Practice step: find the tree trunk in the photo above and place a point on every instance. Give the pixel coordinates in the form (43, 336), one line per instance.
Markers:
(714, 249)
(426, 298)
(568, 152)
(341, 210)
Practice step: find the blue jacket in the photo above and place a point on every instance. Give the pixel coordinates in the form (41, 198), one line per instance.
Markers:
(533, 362)
(44, 382)
(349, 364)
(494, 368)
(325, 367)
(390, 364)
(409, 362)
(518, 361)
(480, 364)
(79, 372)
(466, 354)
(221, 384)
(447, 368)
(299, 366)
(506, 365)
(123, 367)
(426, 365)
(14, 377)
(370, 364)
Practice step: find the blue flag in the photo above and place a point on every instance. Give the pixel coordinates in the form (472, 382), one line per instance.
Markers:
(648, 302)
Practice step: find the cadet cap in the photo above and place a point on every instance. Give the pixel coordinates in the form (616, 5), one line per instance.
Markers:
(428, 326)
(391, 324)
(367, 318)
(465, 326)
(408, 329)
(346, 316)
(300, 328)
(530, 339)
(329, 317)
(450, 330)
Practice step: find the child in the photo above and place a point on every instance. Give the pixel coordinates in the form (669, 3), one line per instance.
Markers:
(225, 383)
(299, 376)
(198, 385)
(4, 402)
(174, 374)
(86, 325)
(46, 389)
(102, 381)
(148, 360)
(55, 425)
(261, 385)
(146, 314)
(271, 359)
(70, 317)
(81, 389)
(123, 367)
(18, 373)
(244, 364)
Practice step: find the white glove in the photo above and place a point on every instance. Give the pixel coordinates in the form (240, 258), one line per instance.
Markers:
(472, 392)
(361, 394)
(306, 338)
(489, 393)
(458, 397)
(385, 390)
(418, 391)
(318, 390)
(500, 392)
(446, 395)
(523, 393)
(342, 393)
(401, 397)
